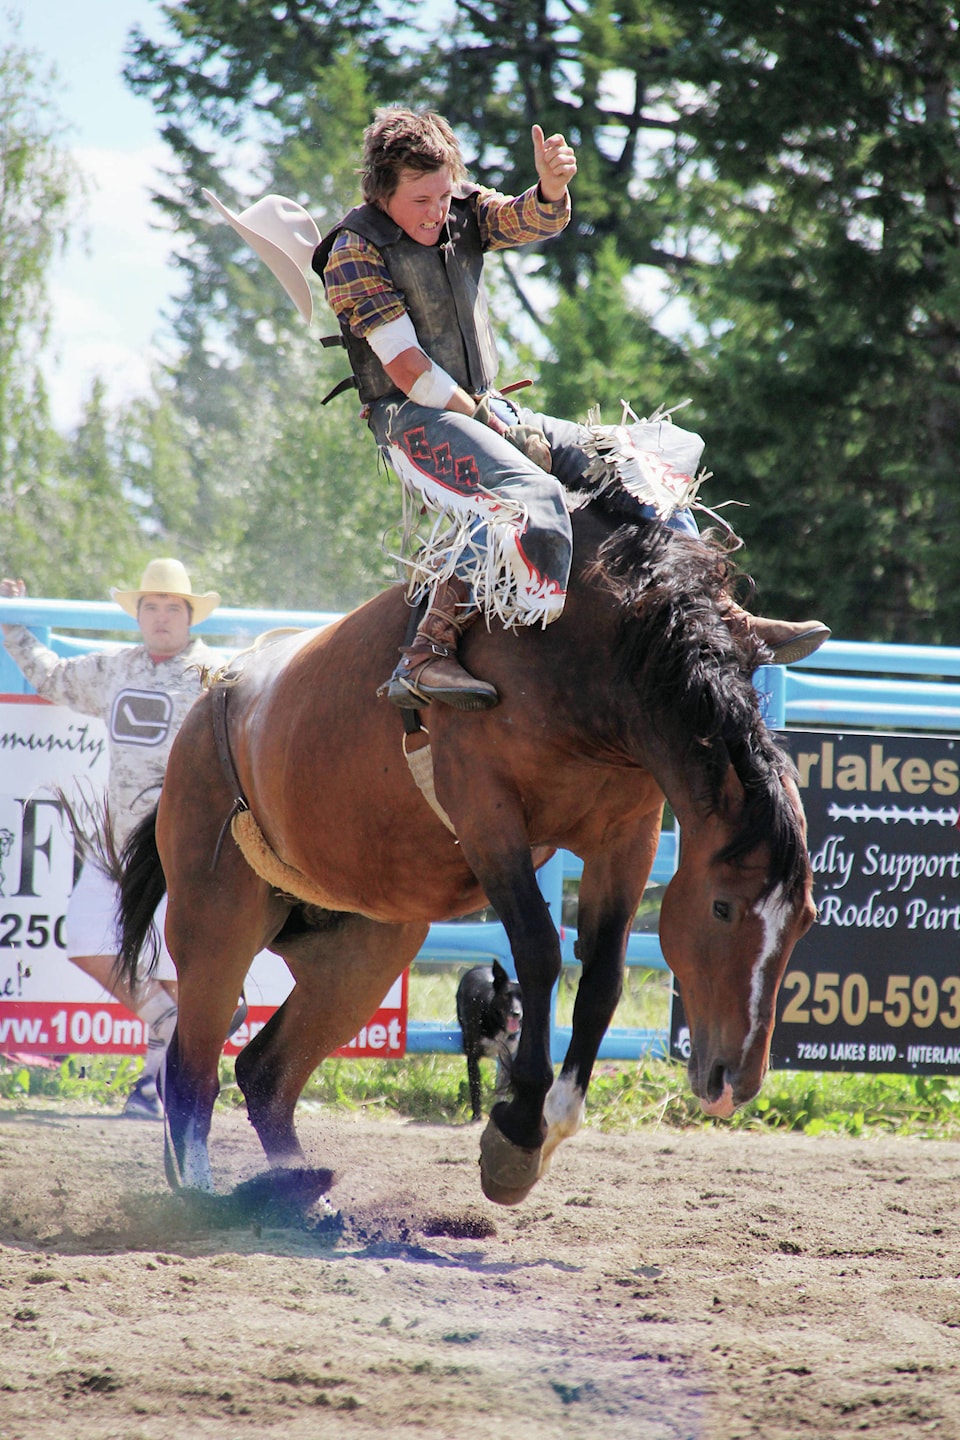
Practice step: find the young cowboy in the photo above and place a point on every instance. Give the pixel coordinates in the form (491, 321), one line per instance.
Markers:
(404, 274)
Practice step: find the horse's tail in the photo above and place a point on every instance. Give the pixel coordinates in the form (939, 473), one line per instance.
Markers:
(142, 885)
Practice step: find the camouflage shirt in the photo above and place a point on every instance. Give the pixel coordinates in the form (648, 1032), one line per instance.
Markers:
(142, 702)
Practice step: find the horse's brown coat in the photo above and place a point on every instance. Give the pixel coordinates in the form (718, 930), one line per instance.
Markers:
(639, 689)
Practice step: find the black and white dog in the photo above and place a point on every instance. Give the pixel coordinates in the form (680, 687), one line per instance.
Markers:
(490, 1011)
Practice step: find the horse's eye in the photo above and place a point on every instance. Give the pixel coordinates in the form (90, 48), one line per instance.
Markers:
(721, 909)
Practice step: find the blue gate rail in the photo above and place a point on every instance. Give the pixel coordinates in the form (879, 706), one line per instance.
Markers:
(845, 685)
(478, 943)
(895, 698)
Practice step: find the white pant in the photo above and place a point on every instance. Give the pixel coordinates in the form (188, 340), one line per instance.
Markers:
(92, 920)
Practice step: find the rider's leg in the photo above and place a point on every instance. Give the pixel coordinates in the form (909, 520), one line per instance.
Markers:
(787, 640)
(506, 552)
(429, 668)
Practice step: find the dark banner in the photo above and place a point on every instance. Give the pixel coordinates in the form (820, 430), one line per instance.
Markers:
(875, 984)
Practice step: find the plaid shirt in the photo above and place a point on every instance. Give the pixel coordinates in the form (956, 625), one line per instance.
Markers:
(358, 284)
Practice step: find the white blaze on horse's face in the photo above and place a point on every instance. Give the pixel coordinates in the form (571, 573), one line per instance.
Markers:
(773, 914)
(728, 943)
(777, 922)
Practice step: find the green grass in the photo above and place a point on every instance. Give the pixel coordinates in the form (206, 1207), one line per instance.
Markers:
(623, 1096)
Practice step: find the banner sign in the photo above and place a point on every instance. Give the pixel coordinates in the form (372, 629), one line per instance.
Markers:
(49, 757)
(384, 1037)
(875, 983)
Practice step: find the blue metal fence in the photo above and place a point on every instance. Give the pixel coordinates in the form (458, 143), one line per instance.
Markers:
(849, 685)
(845, 685)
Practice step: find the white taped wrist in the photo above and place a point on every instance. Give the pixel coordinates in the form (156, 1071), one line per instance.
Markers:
(434, 388)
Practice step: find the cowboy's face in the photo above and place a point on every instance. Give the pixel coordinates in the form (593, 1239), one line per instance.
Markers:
(164, 622)
(421, 203)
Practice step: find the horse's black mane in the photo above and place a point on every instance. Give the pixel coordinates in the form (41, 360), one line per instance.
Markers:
(693, 671)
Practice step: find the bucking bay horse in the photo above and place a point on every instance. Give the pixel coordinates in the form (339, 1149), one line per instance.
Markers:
(639, 691)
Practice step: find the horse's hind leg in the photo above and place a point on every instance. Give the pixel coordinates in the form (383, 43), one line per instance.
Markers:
(217, 920)
(342, 970)
(213, 950)
(191, 1080)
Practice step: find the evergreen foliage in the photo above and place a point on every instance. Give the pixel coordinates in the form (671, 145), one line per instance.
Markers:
(765, 220)
(819, 183)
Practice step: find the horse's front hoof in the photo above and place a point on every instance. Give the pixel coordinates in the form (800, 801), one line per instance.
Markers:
(508, 1172)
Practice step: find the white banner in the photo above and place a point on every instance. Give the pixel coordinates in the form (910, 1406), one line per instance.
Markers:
(48, 1005)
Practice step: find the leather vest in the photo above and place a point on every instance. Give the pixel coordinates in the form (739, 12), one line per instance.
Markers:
(442, 286)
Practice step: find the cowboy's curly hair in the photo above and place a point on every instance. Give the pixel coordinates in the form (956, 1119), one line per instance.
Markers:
(399, 139)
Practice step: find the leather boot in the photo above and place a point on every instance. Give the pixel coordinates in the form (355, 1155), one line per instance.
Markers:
(787, 640)
(429, 668)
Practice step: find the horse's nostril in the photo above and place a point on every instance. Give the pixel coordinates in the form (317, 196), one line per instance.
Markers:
(716, 1081)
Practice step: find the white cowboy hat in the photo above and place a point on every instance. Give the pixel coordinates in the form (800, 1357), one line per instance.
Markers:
(168, 577)
(284, 236)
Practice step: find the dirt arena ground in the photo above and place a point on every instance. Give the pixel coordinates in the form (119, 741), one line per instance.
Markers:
(704, 1284)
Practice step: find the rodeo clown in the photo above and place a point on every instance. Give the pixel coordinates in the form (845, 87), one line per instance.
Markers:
(403, 272)
(142, 693)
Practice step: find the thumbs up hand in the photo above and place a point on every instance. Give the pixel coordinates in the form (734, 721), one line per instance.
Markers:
(555, 161)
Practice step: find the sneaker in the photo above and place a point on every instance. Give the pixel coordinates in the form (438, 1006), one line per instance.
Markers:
(143, 1102)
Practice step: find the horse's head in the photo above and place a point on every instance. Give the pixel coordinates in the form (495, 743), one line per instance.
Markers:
(728, 924)
(688, 711)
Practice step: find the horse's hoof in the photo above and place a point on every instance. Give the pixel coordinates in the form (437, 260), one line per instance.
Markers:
(508, 1172)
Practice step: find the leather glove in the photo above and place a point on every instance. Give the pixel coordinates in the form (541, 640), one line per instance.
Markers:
(532, 441)
(527, 438)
